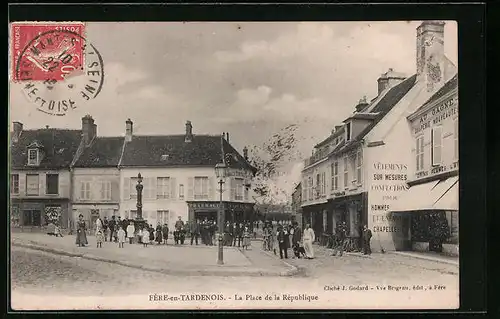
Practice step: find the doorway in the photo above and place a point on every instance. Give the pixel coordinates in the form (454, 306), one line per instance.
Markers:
(32, 217)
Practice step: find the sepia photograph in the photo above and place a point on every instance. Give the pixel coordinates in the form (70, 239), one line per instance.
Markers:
(233, 165)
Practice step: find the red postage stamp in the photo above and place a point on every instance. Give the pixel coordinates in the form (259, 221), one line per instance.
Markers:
(46, 51)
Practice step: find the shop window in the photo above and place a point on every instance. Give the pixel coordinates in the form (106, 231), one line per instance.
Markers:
(437, 142)
(32, 218)
(14, 183)
(420, 153)
(52, 184)
(32, 184)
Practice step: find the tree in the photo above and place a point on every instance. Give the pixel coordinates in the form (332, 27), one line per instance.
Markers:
(269, 158)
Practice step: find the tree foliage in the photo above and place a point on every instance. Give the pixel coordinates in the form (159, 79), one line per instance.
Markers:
(279, 150)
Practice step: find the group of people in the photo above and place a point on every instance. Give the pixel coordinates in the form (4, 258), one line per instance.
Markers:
(341, 240)
(119, 231)
(237, 233)
(289, 236)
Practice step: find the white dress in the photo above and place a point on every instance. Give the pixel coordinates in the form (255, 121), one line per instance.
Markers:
(130, 231)
(145, 237)
(308, 238)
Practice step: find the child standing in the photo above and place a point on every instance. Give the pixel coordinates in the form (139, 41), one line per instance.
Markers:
(121, 237)
(246, 238)
(145, 236)
(99, 238)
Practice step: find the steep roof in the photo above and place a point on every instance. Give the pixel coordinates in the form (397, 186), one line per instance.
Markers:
(172, 150)
(447, 87)
(103, 152)
(392, 97)
(58, 145)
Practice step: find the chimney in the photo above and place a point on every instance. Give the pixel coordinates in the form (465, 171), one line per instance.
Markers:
(362, 104)
(245, 153)
(389, 79)
(189, 132)
(88, 130)
(129, 130)
(227, 137)
(430, 53)
(18, 128)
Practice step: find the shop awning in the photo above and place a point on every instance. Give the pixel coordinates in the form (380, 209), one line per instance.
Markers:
(427, 196)
(449, 200)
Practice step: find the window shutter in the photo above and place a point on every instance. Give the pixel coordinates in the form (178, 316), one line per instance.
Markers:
(233, 188)
(126, 188)
(22, 184)
(42, 184)
(211, 188)
(190, 188)
(436, 145)
(173, 187)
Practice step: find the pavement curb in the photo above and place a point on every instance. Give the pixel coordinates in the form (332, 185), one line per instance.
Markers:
(293, 270)
(441, 261)
(190, 272)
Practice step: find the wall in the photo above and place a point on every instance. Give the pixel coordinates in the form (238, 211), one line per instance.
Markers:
(176, 205)
(388, 168)
(444, 114)
(95, 176)
(64, 183)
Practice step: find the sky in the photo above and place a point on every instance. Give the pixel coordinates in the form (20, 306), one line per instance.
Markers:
(249, 79)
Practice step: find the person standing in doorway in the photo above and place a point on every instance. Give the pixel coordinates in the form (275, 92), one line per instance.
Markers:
(195, 231)
(367, 236)
(308, 239)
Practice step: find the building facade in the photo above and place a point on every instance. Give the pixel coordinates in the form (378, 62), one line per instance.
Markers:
(369, 157)
(431, 203)
(179, 177)
(95, 175)
(40, 176)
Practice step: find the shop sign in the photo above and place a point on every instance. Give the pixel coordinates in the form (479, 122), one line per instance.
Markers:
(437, 170)
(388, 184)
(238, 172)
(436, 115)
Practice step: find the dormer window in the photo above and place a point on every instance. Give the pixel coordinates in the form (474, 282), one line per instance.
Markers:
(348, 131)
(33, 156)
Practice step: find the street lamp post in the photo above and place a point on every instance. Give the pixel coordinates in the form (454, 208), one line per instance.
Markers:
(220, 172)
(139, 221)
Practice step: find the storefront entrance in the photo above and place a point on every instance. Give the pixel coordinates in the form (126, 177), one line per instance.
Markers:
(32, 217)
(209, 215)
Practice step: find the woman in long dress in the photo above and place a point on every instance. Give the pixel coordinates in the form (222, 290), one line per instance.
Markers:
(308, 238)
(81, 236)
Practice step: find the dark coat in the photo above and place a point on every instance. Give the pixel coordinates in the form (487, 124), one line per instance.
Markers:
(367, 235)
(194, 228)
(297, 235)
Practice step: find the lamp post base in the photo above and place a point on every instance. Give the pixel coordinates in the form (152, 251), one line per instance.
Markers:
(220, 258)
